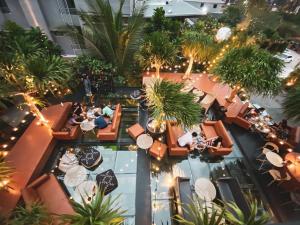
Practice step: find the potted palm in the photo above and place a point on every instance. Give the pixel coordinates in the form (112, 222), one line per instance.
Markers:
(196, 46)
(157, 51)
(167, 102)
(36, 214)
(201, 213)
(250, 68)
(101, 210)
(236, 216)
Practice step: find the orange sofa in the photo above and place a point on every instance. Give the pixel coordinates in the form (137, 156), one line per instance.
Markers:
(173, 133)
(47, 190)
(240, 118)
(213, 129)
(71, 132)
(110, 133)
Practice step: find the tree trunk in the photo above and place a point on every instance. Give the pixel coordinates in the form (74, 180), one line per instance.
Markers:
(28, 99)
(233, 94)
(189, 69)
(157, 69)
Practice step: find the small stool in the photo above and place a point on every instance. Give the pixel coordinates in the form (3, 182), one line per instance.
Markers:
(107, 181)
(135, 130)
(158, 150)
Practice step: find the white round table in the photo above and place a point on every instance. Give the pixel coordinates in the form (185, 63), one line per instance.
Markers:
(274, 159)
(87, 125)
(86, 190)
(144, 141)
(205, 189)
(75, 176)
(67, 161)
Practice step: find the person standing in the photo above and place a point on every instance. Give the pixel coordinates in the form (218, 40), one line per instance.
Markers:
(88, 88)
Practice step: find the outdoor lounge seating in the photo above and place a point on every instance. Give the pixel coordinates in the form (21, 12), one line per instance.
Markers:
(135, 130)
(158, 150)
(230, 191)
(61, 130)
(107, 181)
(110, 133)
(213, 129)
(47, 190)
(173, 133)
(90, 158)
(240, 119)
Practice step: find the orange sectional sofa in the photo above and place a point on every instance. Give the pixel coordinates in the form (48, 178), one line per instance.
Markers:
(173, 133)
(110, 133)
(57, 127)
(240, 118)
(47, 190)
(29, 156)
(213, 129)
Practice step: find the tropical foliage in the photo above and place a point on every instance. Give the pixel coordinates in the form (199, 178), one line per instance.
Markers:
(251, 68)
(34, 215)
(108, 34)
(28, 68)
(5, 172)
(157, 51)
(291, 103)
(197, 46)
(232, 15)
(167, 102)
(101, 210)
(257, 216)
(202, 214)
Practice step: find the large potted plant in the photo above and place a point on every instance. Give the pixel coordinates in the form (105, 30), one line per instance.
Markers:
(157, 51)
(202, 214)
(251, 68)
(167, 102)
(101, 210)
(36, 214)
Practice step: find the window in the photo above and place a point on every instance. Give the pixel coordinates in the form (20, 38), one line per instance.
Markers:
(201, 4)
(4, 7)
(215, 6)
(71, 6)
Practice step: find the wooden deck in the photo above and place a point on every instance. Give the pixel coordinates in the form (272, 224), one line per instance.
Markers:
(204, 83)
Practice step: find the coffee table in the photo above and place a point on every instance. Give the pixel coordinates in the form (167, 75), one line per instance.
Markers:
(144, 141)
(274, 159)
(86, 191)
(87, 125)
(205, 189)
(75, 176)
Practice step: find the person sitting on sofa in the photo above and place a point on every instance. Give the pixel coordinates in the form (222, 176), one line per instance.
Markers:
(75, 120)
(216, 143)
(188, 139)
(107, 111)
(100, 122)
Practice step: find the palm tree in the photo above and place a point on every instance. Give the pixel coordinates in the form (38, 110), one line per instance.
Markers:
(35, 215)
(237, 217)
(106, 32)
(202, 214)
(167, 102)
(28, 70)
(101, 210)
(157, 51)
(196, 46)
(5, 172)
(291, 103)
(251, 68)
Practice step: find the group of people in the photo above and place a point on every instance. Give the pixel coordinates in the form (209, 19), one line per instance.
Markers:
(199, 142)
(102, 115)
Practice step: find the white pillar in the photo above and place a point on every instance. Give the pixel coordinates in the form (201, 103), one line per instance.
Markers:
(34, 15)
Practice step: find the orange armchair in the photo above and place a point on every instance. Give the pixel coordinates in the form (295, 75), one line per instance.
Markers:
(212, 129)
(173, 133)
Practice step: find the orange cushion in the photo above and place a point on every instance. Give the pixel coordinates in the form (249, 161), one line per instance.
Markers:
(135, 130)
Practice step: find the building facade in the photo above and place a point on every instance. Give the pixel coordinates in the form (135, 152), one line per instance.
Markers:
(52, 15)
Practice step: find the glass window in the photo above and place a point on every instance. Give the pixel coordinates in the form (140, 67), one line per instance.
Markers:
(4, 7)
(201, 4)
(215, 6)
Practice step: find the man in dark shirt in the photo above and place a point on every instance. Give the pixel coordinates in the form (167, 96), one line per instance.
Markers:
(100, 122)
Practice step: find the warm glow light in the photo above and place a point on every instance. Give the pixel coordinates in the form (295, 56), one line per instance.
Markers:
(23, 121)
(289, 150)
(281, 142)
(12, 138)
(4, 145)
(15, 129)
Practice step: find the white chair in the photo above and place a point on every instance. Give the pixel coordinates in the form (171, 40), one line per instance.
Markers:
(276, 175)
(269, 146)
